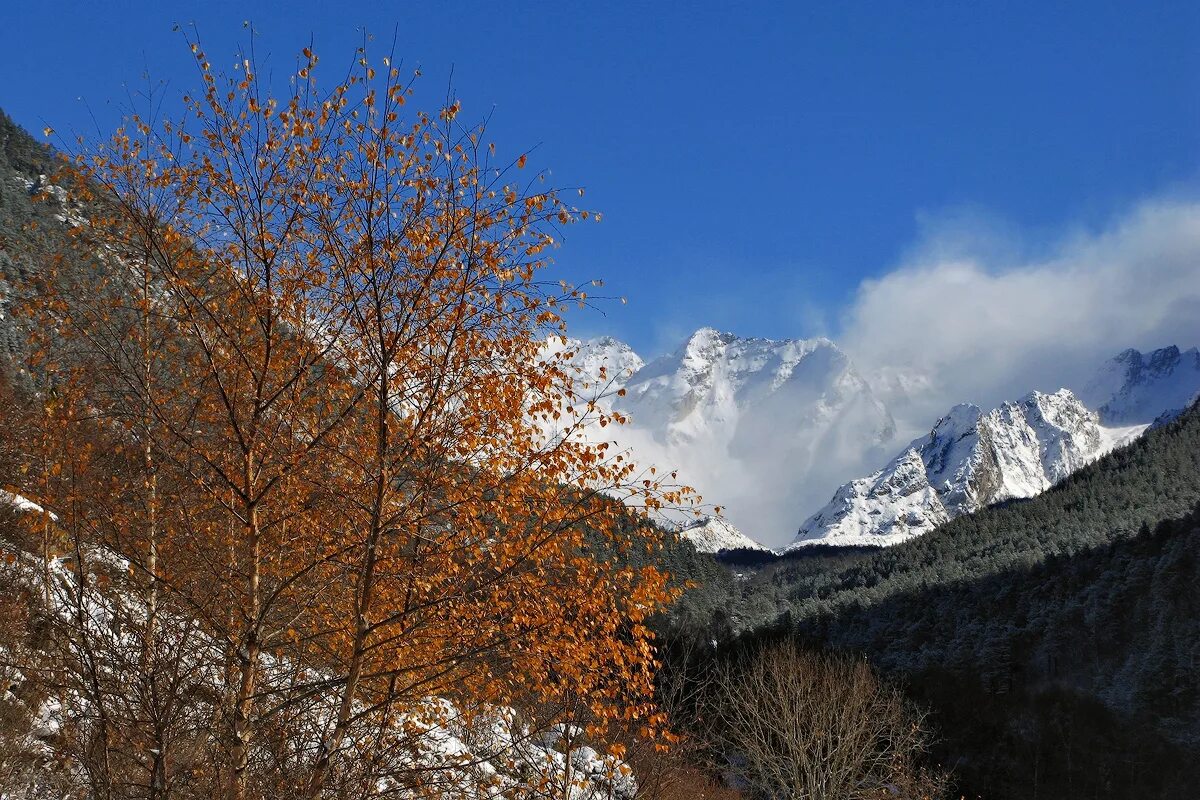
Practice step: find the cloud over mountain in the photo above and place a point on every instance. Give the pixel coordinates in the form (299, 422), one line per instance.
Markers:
(954, 324)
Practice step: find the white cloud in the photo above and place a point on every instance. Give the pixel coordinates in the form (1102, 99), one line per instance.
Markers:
(962, 319)
(971, 314)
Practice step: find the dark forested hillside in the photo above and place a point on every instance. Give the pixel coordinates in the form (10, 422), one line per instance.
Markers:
(1057, 640)
(1156, 478)
(1073, 678)
(22, 163)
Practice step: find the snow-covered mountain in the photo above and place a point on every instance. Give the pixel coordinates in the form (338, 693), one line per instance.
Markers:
(614, 357)
(716, 388)
(768, 429)
(764, 428)
(1135, 387)
(969, 460)
(714, 534)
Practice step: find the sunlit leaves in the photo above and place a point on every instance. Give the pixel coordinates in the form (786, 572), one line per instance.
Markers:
(354, 302)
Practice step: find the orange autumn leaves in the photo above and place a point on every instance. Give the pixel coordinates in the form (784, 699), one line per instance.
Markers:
(323, 320)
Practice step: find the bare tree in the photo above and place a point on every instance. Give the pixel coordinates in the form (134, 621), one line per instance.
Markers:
(807, 726)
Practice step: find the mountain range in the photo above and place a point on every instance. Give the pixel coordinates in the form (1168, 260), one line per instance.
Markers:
(771, 429)
(764, 428)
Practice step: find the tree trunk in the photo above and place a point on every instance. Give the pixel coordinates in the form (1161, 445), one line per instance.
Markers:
(247, 655)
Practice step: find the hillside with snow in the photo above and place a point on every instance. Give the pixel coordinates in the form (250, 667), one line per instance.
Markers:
(491, 751)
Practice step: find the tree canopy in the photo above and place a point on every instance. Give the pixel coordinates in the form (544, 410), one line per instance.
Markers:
(300, 389)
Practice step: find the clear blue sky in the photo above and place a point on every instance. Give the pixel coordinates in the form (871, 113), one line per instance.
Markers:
(754, 161)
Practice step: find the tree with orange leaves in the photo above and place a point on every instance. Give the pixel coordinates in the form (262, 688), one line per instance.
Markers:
(321, 339)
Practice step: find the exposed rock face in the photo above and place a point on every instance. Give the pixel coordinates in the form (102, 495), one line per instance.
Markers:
(1135, 387)
(969, 460)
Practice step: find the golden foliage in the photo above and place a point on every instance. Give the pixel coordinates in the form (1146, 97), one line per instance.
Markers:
(316, 357)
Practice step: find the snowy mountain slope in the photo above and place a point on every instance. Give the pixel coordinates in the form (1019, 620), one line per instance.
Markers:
(714, 534)
(614, 357)
(884, 508)
(764, 428)
(969, 460)
(1135, 387)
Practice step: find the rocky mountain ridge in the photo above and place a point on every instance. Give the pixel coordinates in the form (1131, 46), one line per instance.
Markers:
(970, 459)
(1135, 387)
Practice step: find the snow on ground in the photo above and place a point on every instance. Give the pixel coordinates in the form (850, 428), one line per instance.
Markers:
(489, 753)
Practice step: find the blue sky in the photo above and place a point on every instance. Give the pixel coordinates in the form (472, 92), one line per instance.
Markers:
(755, 162)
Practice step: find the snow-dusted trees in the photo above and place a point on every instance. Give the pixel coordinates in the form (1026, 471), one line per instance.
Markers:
(295, 440)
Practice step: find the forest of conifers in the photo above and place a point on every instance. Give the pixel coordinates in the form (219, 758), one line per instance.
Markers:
(1056, 639)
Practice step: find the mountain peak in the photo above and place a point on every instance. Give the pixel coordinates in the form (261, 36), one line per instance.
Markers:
(960, 413)
(708, 334)
(703, 346)
(1135, 387)
(970, 459)
(714, 534)
(1037, 396)
(588, 356)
